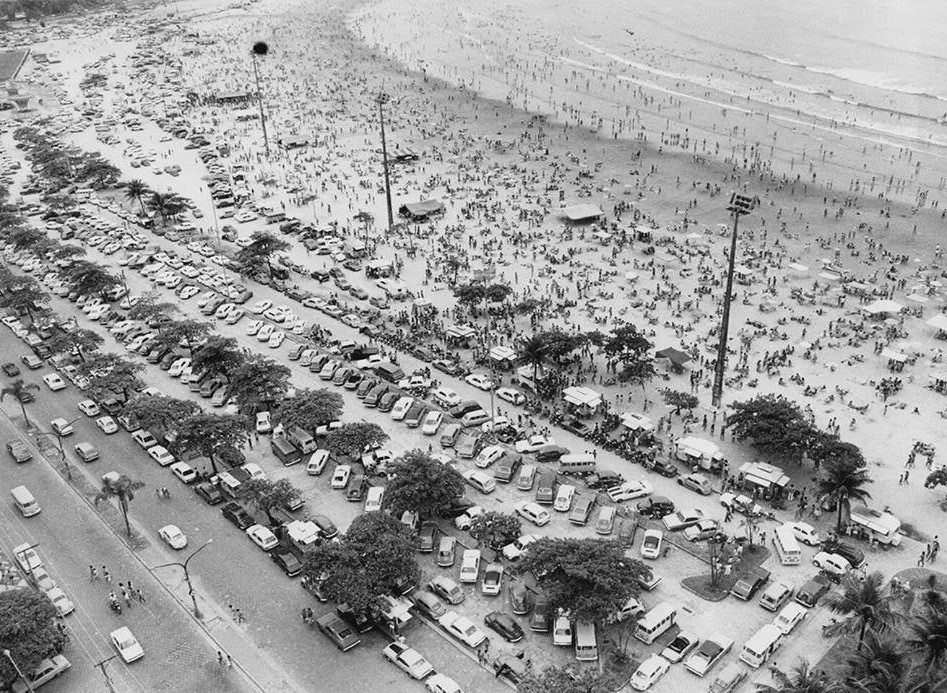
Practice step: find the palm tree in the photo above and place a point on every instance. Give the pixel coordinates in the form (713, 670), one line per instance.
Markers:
(533, 352)
(159, 204)
(927, 636)
(844, 483)
(882, 666)
(802, 678)
(135, 190)
(864, 604)
(121, 488)
(20, 391)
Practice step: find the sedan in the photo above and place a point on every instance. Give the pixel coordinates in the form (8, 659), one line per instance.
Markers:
(428, 604)
(210, 493)
(492, 579)
(805, 533)
(254, 326)
(629, 490)
(650, 670)
(679, 647)
(513, 551)
(11, 369)
(432, 422)
(504, 624)
(54, 382)
(682, 519)
(705, 529)
(261, 307)
(338, 631)
(447, 589)
(480, 381)
(106, 424)
(62, 427)
(178, 367)
(408, 660)
(184, 472)
(651, 544)
(288, 562)
(262, 537)
(160, 454)
(63, 604)
(510, 395)
(340, 477)
(276, 339)
(173, 536)
(533, 443)
(462, 628)
(126, 644)
(265, 333)
(89, 407)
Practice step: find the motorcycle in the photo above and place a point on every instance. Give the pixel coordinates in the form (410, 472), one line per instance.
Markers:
(115, 606)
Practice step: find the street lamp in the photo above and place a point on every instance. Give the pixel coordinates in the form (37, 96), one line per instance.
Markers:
(62, 452)
(381, 99)
(187, 575)
(740, 205)
(260, 48)
(29, 684)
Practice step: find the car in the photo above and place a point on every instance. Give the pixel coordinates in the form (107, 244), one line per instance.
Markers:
(492, 579)
(705, 529)
(489, 455)
(11, 370)
(19, 451)
(237, 515)
(533, 512)
(86, 452)
(649, 671)
(400, 410)
(47, 670)
(127, 645)
(262, 537)
(834, 565)
(680, 647)
(27, 557)
(709, 653)
(108, 426)
(173, 536)
(62, 427)
(504, 624)
(441, 683)
(462, 628)
(520, 597)
(210, 493)
(466, 518)
(562, 630)
(426, 536)
(662, 467)
(428, 604)
(89, 407)
(264, 423)
(445, 588)
(629, 490)
(682, 519)
(326, 526)
(855, 556)
(518, 547)
(54, 382)
(696, 482)
(510, 395)
(276, 339)
(480, 381)
(160, 454)
(287, 561)
(184, 472)
(432, 422)
(338, 631)
(340, 477)
(42, 579)
(533, 443)
(408, 660)
(359, 620)
(32, 362)
(178, 367)
(741, 504)
(805, 533)
(651, 543)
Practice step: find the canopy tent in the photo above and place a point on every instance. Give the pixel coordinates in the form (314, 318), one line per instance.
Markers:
(421, 210)
(637, 422)
(796, 267)
(502, 354)
(882, 306)
(460, 332)
(293, 142)
(696, 447)
(676, 357)
(632, 276)
(938, 322)
(893, 355)
(579, 213)
(582, 397)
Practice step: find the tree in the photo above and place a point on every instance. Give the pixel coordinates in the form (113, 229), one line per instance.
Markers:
(470, 294)
(190, 331)
(28, 630)
(844, 483)
(158, 203)
(209, 434)
(264, 495)
(150, 306)
(351, 439)
(24, 237)
(218, 356)
(560, 344)
(160, 413)
(122, 490)
(497, 293)
(263, 246)
(773, 424)
(110, 374)
(376, 554)
(422, 485)
(864, 604)
(627, 346)
(309, 409)
(24, 294)
(679, 400)
(88, 278)
(495, 529)
(528, 306)
(21, 391)
(802, 678)
(825, 449)
(881, 666)
(590, 578)
(533, 353)
(135, 189)
(258, 381)
(96, 168)
(926, 638)
(565, 680)
(74, 340)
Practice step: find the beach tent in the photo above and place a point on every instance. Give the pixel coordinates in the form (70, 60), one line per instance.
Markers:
(637, 422)
(882, 307)
(421, 210)
(939, 322)
(577, 214)
(763, 475)
(631, 277)
(293, 142)
(675, 357)
(503, 356)
(460, 332)
(796, 267)
(583, 398)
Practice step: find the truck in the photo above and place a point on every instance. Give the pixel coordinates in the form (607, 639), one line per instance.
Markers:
(698, 452)
(876, 525)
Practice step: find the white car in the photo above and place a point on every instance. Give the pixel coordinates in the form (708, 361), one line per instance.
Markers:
(651, 543)
(340, 477)
(263, 422)
(513, 551)
(462, 628)
(511, 395)
(432, 422)
(89, 407)
(262, 537)
(62, 427)
(489, 455)
(492, 579)
(805, 533)
(261, 307)
(439, 683)
(184, 472)
(464, 520)
(682, 519)
(173, 537)
(480, 381)
(650, 670)
(533, 443)
(832, 563)
(106, 424)
(63, 604)
(400, 410)
(254, 326)
(265, 333)
(244, 216)
(533, 512)
(27, 557)
(178, 367)
(254, 470)
(54, 382)
(629, 490)
(562, 631)
(127, 645)
(408, 660)
(564, 498)
(276, 339)
(160, 454)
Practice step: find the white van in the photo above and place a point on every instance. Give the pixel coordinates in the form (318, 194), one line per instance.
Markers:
(762, 645)
(656, 622)
(481, 481)
(788, 549)
(317, 462)
(586, 644)
(25, 502)
(775, 596)
(302, 439)
(789, 617)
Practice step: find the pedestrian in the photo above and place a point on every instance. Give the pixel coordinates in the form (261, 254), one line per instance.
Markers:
(93, 573)
(220, 658)
(106, 576)
(920, 561)
(128, 601)
(906, 473)
(141, 597)
(229, 660)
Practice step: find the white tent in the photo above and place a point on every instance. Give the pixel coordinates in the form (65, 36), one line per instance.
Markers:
(938, 322)
(883, 306)
(582, 397)
(502, 353)
(637, 422)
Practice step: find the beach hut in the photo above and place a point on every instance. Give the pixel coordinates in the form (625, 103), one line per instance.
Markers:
(743, 274)
(417, 211)
(770, 479)
(503, 357)
(896, 359)
(580, 214)
(938, 382)
(582, 400)
(637, 423)
(882, 308)
(676, 359)
(939, 323)
(459, 334)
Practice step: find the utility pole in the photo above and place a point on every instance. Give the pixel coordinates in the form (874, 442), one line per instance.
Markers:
(187, 575)
(260, 48)
(101, 667)
(739, 205)
(29, 684)
(382, 98)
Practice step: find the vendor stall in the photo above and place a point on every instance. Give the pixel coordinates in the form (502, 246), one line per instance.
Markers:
(503, 357)
(582, 400)
(771, 480)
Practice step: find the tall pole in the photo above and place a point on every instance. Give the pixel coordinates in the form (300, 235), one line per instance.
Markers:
(29, 684)
(260, 48)
(187, 576)
(739, 205)
(101, 667)
(384, 158)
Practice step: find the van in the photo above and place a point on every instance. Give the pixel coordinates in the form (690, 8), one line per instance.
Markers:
(284, 450)
(655, 622)
(317, 462)
(810, 593)
(389, 371)
(775, 596)
(25, 502)
(445, 397)
(302, 439)
(580, 464)
(762, 645)
(586, 644)
(507, 466)
(789, 617)
(546, 488)
(606, 520)
(527, 475)
(582, 510)
(450, 433)
(784, 540)
(474, 418)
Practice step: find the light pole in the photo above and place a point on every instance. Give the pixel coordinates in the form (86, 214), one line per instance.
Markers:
(260, 48)
(29, 684)
(62, 452)
(740, 205)
(187, 575)
(382, 98)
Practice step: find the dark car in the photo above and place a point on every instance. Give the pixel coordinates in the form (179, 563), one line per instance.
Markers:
(32, 362)
(167, 360)
(325, 525)
(656, 507)
(314, 587)
(541, 619)
(580, 428)
(457, 507)
(358, 620)
(210, 493)
(374, 394)
(851, 554)
(749, 584)
(662, 467)
(551, 453)
(603, 479)
(426, 536)
(811, 592)
(287, 561)
(428, 604)
(341, 375)
(504, 625)
(11, 369)
(387, 401)
(237, 515)
(338, 632)
(357, 488)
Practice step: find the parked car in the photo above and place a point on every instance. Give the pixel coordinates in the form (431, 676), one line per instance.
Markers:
(651, 543)
(504, 624)
(338, 631)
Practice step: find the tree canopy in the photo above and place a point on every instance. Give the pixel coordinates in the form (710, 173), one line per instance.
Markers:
(309, 409)
(264, 494)
(351, 439)
(258, 381)
(28, 630)
(565, 680)
(422, 485)
(211, 434)
(110, 375)
(495, 529)
(218, 356)
(773, 424)
(160, 412)
(259, 253)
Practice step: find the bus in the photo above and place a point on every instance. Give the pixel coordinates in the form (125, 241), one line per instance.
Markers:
(763, 644)
(786, 546)
(655, 622)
